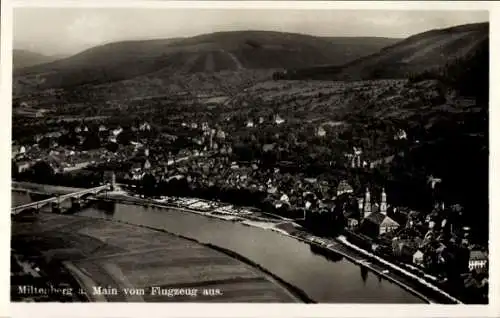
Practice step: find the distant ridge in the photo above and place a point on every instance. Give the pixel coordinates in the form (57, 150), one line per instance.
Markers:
(25, 58)
(221, 51)
(429, 49)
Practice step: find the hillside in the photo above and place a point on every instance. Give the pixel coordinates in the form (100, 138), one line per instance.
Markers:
(24, 58)
(230, 51)
(426, 50)
(356, 47)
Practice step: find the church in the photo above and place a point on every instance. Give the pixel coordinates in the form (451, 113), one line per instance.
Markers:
(375, 220)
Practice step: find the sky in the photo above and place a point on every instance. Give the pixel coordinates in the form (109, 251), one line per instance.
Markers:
(66, 31)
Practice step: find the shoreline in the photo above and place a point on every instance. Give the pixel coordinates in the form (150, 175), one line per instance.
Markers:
(295, 291)
(126, 199)
(123, 197)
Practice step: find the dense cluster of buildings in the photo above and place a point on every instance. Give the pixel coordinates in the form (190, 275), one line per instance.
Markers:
(432, 241)
(74, 149)
(424, 240)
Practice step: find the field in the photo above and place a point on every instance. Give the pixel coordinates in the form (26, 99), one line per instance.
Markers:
(115, 255)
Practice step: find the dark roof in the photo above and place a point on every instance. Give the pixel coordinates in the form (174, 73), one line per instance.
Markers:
(400, 218)
(344, 186)
(268, 147)
(376, 217)
(478, 255)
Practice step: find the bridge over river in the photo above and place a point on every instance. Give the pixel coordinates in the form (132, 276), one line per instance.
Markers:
(59, 198)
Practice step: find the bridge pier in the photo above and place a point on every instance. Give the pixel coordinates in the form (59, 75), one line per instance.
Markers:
(112, 185)
(76, 203)
(56, 207)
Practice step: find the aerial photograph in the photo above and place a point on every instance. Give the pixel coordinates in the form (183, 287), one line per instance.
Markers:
(233, 155)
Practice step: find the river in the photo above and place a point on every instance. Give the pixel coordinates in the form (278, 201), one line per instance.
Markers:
(324, 279)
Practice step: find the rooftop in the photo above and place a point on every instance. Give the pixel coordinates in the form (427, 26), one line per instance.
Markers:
(379, 218)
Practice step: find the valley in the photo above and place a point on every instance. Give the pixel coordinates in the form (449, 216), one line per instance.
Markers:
(296, 125)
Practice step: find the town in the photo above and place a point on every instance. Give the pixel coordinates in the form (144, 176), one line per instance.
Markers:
(244, 164)
(252, 161)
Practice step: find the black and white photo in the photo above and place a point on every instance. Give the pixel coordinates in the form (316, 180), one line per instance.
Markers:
(225, 155)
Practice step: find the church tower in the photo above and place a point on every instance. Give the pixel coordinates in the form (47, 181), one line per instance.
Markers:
(113, 181)
(211, 142)
(383, 203)
(367, 210)
(360, 205)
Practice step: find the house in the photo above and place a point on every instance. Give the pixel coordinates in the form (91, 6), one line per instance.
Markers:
(352, 223)
(18, 150)
(433, 181)
(349, 157)
(23, 165)
(145, 126)
(431, 224)
(220, 134)
(377, 223)
(355, 157)
(55, 164)
(268, 147)
(117, 131)
(250, 124)
(344, 187)
(15, 150)
(418, 258)
(478, 260)
(441, 252)
(321, 132)
(278, 120)
(136, 175)
(404, 249)
(401, 134)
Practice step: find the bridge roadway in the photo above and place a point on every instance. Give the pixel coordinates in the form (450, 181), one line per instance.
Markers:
(41, 203)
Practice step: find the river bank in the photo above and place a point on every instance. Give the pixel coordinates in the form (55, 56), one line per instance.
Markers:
(330, 245)
(292, 230)
(123, 255)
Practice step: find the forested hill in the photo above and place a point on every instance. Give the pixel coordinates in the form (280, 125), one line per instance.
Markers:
(221, 51)
(427, 50)
(23, 58)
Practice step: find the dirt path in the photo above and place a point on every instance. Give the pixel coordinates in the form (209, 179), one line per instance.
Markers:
(235, 59)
